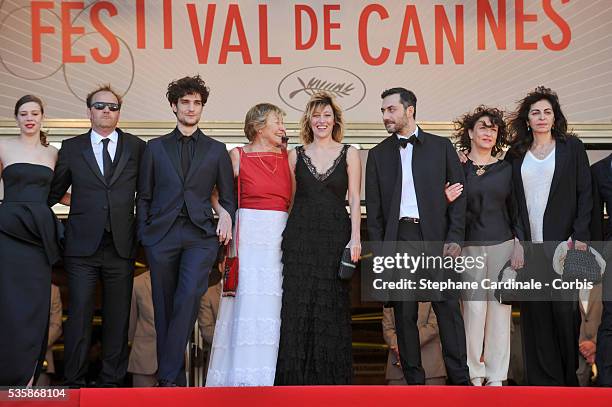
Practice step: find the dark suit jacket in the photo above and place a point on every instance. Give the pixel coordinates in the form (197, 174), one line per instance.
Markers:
(601, 173)
(92, 196)
(162, 189)
(568, 210)
(434, 162)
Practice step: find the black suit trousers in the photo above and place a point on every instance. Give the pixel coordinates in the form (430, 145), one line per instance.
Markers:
(180, 264)
(450, 323)
(117, 276)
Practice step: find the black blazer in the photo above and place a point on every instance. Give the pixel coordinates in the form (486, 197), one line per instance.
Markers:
(92, 197)
(434, 163)
(601, 173)
(162, 189)
(570, 201)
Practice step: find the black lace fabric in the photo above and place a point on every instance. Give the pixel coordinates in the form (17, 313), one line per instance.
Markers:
(315, 342)
(313, 170)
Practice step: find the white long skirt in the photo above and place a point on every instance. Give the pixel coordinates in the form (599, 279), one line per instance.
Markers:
(247, 331)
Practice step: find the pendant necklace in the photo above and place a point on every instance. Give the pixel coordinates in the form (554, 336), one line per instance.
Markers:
(481, 169)
(272, 171)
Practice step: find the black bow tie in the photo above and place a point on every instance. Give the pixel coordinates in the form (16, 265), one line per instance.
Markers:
(404, 141)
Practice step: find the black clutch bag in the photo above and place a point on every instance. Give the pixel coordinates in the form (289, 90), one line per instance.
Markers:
(581, 265)
(347, 267)
(507, 296)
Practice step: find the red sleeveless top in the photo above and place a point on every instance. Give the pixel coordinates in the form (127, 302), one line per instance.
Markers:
(265, 181)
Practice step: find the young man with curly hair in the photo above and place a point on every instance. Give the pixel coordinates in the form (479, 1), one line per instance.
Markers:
(178, 174)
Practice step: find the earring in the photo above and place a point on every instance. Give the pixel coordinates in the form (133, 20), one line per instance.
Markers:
(528, 128)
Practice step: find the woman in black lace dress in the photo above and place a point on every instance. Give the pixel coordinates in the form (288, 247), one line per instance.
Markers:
(315, 342)
(29, 234)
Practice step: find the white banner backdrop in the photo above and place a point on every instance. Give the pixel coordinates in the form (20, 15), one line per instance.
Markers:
(454, 54)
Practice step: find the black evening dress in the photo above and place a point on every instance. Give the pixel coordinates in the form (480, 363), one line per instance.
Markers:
(29, 236)
(315, 341)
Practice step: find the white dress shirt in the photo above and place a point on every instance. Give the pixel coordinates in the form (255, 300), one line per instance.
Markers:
(98, 147)
(408, 204)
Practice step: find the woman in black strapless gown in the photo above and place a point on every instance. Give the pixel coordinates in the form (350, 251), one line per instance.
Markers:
(29, 236)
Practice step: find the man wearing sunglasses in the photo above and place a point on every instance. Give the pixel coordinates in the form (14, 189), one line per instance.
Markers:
(102, 168)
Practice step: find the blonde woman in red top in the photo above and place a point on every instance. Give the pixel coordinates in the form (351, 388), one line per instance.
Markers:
(246, 339)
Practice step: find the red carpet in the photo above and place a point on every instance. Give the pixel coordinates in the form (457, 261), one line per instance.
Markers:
(339, 396)
(350, 396)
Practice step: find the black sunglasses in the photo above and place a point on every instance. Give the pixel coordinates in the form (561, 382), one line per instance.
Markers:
(113, 107)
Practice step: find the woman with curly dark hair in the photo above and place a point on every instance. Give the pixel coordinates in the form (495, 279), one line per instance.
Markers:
(492, 231)
(552, 183)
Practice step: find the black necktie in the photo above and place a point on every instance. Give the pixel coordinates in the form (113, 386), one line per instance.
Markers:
(404, 141)
(185, 154)
(107, 162)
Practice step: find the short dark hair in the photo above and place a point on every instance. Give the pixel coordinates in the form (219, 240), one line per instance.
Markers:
(188, 85)
(407, 97)
(521, 135)
(215, 275)
(103, 88)
(221, 254)
(469, 120)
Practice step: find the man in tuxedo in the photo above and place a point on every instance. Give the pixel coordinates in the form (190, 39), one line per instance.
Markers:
(102, 167)
(602, 198)
(175, 221)
(405, 178)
